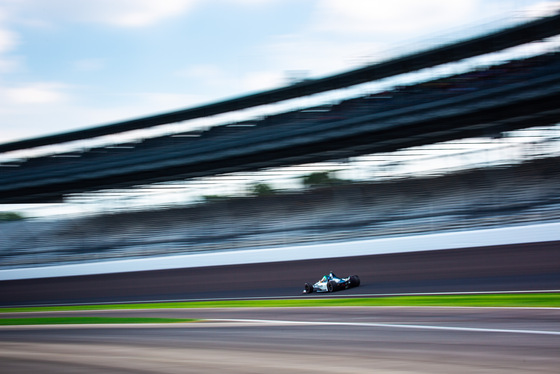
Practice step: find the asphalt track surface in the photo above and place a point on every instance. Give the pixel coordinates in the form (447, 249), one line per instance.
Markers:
(530, 266)
(296, 340)
(302, 340)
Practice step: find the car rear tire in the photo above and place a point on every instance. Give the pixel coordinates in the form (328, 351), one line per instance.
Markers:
(331, 286)
(308, 288)
(354, 281)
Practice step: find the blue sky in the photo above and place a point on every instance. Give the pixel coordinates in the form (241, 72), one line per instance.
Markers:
(67, 64)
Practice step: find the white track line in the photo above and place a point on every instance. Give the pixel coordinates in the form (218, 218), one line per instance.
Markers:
(390, 325)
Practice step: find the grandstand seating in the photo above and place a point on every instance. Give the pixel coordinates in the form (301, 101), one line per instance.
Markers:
(478, 198)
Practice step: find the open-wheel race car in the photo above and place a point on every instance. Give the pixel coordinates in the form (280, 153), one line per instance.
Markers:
(331, 283)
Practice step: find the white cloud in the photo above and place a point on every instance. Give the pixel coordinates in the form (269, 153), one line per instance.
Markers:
(123, 13)
(138, 13)
(36, 93)
(8, 40)
(401, 17)
(262, 80)
(220, 83)
(542, 9)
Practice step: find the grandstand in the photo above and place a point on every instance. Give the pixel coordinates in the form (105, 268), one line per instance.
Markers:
(488, 102)
(480, 198)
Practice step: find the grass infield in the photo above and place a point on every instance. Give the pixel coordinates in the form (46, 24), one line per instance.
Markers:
(542, 300)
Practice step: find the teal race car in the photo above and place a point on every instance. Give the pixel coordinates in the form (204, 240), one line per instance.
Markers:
(331, 283)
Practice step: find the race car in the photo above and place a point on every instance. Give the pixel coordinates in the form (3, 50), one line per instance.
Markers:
(331, 283)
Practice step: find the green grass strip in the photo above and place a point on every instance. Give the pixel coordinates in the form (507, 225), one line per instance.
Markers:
(85, 320)
(551, 300)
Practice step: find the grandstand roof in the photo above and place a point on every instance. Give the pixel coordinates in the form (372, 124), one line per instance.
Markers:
(499, 40)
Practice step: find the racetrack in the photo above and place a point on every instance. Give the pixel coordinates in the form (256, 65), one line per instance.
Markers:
(302, 340)
(528, 266)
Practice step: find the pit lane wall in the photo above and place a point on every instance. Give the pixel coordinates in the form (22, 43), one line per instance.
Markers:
(427, 242)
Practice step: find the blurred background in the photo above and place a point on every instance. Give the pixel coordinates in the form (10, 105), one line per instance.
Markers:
(305, 122)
